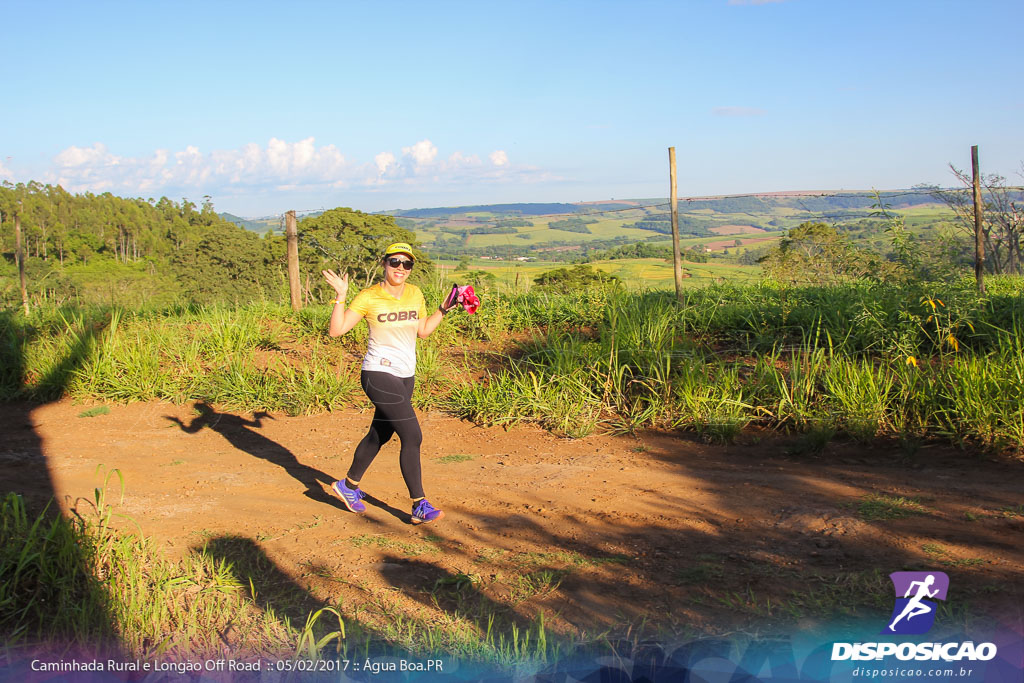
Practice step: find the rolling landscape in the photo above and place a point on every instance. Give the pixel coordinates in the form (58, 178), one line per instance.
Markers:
(839, 336)
(359, 341)
(721, 238)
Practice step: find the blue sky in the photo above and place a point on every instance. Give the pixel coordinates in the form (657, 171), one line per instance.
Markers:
(375, 105)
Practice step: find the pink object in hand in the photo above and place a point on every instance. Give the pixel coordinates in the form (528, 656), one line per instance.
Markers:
(468, 298)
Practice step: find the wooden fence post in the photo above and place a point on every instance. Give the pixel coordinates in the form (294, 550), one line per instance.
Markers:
(19, 255)
(677, 266)
(979, 242)
(292, 236)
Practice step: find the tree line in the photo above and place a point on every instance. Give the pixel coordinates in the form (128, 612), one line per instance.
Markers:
(89, 248)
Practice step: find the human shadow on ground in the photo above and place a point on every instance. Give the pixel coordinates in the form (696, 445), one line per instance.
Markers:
(241, 433)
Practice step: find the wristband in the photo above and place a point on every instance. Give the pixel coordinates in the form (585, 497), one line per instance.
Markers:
(443, 310)
(338, 301)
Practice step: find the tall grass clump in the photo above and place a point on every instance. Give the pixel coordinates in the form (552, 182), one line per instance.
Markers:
(86, 584)
(258, 357)
(77, 583)
(864, 359)
(859, 358)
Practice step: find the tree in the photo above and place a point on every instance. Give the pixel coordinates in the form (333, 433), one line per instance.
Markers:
(818, 253)
(227, 264)
(939, 257)
(352, 241)
(562, 279)
(1002, 220)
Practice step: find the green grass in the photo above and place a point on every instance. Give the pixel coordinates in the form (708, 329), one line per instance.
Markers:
(875, 507)
(1011, 511)
(94, 412)
(836, 598)
(538, 584)
(82, 583)
(455, 457)
(862, 360)
(564, 557)
(701, 573)
(814, 441)
(943, 556)
(78, 582)
(386, 543)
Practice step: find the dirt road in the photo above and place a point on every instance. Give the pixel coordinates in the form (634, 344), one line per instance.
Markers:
(599, 532)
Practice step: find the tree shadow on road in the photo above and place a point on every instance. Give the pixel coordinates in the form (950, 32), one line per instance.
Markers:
(54, 600)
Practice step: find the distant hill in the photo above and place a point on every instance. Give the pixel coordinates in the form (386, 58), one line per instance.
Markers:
(504, 209)
(260, 225)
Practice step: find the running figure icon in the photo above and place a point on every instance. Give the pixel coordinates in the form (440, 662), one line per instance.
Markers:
(915, 607)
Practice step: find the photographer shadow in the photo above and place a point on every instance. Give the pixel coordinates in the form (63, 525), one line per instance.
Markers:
(55, 567)
(279, 596)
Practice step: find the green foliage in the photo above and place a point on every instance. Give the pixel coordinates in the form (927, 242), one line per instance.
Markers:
(481, 280)
(347, 240)
(227, 264)
(513, 223)
(89, 248)
(696, 254)
(573, 225)
(940, 258)
(578, 276)
(662, 223)
(629, 251)
(491, 230)
(1002, 225)
(815, 252)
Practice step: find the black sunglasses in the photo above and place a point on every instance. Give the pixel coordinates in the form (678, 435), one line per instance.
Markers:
(396, 262)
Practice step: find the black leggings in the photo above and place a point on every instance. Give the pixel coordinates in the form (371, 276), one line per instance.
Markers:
(392, 399)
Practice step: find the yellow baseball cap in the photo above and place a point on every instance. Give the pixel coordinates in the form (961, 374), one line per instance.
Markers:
(399, 248)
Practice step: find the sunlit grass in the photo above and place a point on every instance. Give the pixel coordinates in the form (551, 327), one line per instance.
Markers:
(861, 360)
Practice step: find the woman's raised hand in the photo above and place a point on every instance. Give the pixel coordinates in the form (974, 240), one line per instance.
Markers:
(339, 282)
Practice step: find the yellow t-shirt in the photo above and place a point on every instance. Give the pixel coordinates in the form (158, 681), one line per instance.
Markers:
(393, 323)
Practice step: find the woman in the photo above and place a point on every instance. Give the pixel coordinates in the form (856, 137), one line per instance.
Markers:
(396, 314)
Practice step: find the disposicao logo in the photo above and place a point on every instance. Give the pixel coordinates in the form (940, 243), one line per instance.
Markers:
(914, 612)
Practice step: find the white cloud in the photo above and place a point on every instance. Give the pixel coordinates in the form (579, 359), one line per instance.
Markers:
(279, 164)
(96, 168)
(79, 156)
(738, 111)
(422, 153)
(6, 173)
(384, 161)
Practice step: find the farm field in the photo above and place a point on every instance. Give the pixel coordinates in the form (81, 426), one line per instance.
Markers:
(742, 218)
(635, 274)
(653, 535)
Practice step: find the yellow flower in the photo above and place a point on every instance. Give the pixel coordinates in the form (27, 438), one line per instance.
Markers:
(952, 342)
(911, 361)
